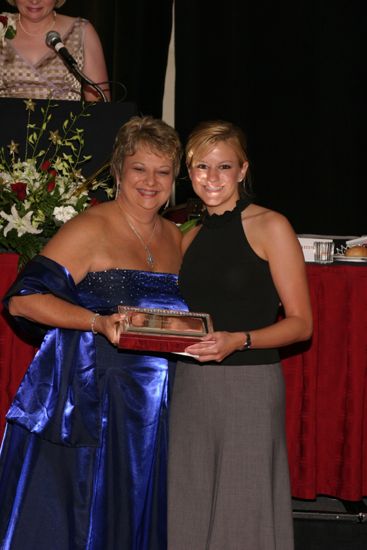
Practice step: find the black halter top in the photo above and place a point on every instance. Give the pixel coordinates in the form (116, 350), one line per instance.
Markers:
(223, 276)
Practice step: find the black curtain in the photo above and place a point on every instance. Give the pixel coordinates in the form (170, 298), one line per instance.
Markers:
(289, 73)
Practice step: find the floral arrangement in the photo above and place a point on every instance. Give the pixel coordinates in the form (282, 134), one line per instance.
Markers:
(7, 28)
(46, 188)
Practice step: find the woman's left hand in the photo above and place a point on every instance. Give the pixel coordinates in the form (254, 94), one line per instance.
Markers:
(216, 346)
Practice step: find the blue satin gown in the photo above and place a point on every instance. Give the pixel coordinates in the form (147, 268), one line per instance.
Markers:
(83, 461)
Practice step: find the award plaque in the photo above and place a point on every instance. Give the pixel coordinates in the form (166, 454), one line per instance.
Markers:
(164, 330)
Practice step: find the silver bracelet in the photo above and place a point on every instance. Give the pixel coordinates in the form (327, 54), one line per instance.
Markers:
(93, 322)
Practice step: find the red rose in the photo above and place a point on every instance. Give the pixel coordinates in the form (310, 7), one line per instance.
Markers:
(94, 202)
(3, 20)
(20, 189)
(51, 182)
(45, 165)
(51, 185)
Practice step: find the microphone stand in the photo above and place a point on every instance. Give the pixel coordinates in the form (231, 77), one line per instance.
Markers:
(53, 40)
(87, 80)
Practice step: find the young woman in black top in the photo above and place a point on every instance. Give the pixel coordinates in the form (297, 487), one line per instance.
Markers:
(228, 470)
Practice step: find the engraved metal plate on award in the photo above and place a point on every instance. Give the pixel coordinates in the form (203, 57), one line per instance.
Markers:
(163, 330)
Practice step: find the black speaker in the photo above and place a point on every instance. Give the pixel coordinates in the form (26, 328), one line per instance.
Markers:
(329, 535)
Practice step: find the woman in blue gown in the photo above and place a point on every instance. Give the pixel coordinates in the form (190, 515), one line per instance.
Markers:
(83, 460)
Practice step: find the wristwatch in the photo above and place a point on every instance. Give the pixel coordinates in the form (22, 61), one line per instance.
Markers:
(248, 343)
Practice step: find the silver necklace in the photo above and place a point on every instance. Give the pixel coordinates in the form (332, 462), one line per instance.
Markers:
(149, 258)
(38, 33)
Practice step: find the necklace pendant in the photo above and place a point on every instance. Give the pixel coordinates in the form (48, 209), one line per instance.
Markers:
(150, 259)
(148, 254)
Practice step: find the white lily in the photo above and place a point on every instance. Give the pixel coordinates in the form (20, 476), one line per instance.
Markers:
(63, 214)
(22, 225)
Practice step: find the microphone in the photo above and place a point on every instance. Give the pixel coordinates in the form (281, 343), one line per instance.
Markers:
(53, 40)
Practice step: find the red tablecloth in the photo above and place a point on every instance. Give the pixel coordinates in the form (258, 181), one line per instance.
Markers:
(326, 387)
(326, 383)
(15, 354)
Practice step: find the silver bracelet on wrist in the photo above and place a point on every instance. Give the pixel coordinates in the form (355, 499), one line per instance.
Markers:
(93, 322)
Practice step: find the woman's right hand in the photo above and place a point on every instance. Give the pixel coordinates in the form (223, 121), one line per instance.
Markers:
(216, 346)
(109, 326)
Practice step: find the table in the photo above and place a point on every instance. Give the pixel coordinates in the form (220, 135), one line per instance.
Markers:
(326, 388)
(326, 382)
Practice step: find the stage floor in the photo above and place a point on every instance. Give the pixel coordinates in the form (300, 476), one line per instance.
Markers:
(327, 508)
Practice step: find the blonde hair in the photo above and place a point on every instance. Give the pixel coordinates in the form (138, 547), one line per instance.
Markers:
(58, 3)
(151, 132)
(207, 134)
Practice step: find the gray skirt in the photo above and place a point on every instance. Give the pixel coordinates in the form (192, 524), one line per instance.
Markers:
(228, 473)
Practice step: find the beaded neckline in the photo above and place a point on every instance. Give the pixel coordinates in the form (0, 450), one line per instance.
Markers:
(217, 220)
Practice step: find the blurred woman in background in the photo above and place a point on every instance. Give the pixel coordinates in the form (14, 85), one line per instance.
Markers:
(31, 69)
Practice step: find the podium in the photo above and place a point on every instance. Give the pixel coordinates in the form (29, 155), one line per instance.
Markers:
(100, 125)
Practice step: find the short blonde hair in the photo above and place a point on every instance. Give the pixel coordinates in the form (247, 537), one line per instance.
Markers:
(207, 134)
(58, 3)
(154, 133)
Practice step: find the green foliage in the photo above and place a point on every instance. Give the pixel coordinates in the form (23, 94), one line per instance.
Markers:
(46, 188)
